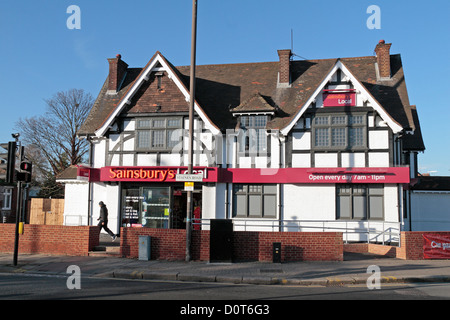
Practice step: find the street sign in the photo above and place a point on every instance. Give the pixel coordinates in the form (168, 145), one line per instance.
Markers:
(189, 177)
(188, 186)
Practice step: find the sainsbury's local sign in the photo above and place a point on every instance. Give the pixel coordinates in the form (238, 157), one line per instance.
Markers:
(154, 174)
(339, 98)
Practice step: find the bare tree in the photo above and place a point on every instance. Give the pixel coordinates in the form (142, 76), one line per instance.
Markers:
(55, 133)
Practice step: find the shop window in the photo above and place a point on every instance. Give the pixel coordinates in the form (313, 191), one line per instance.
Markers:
(158, 133)
(359, 202)
(254, 201)
(339, 131)
(252, 137)
(146, 207)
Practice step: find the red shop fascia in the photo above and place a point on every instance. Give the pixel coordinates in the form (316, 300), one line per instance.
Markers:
(396, 175)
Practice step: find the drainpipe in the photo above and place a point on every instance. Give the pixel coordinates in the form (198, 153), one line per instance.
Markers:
(281, 140)
(89, 215)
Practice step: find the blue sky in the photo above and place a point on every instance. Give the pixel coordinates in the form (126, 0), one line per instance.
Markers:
(40, 56)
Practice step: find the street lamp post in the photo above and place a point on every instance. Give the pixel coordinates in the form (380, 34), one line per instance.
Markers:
(191, 129)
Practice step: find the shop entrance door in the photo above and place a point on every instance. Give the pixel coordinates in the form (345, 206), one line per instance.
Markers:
(179, 209)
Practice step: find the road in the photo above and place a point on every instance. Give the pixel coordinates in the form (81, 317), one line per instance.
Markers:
(184, 294)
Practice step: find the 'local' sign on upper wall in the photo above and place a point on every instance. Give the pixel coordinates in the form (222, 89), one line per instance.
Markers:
(339, 98)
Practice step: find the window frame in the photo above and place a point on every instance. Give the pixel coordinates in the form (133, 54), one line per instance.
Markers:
(250, 129)
(248, 191)
(346, 125)
(151, 129)
(366, 191)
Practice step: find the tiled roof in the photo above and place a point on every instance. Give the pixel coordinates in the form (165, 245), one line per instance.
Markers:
(224, 88)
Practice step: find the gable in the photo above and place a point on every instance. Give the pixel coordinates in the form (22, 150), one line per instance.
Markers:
(354, 90)
(140, 87)
(159, 94)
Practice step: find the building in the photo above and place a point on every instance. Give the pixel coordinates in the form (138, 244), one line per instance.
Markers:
(429, 201)
(289, 145)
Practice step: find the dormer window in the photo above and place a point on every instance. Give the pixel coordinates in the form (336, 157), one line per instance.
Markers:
(252, 135)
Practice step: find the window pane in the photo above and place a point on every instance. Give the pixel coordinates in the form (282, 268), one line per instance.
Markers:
(270, 188)
(356, 137)
(321, 137)
(355, 120)
(254, 205)
(143, 123)
(158, 139)
(376, 190)
(321, 120)
(255, 188)
(173, 123)
(143, 139)
(343, 207)
(270, 205)
(359, 207)
(338, 120)
(244, 122)
(159, 123)
(240, 188)
(376, 207)
(239, 206)
(260, 121)
(344, 189)
(338, 137)
(173, 137)
(262, 140)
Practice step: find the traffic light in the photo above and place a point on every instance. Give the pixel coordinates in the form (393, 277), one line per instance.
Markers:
(9, 160)
(25, 171)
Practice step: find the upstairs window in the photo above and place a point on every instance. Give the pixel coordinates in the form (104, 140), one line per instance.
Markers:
(253, 138)
(339, 131)
(158, 133)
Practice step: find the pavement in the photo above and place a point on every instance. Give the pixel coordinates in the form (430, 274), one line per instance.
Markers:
(353, 270)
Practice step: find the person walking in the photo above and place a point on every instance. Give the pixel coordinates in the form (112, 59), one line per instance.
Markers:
(104, 220)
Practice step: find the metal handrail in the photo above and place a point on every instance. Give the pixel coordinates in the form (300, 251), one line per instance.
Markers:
(376, 231)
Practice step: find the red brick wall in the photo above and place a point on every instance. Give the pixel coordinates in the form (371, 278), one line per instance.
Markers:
(168, 244)
(295, 246)
(58, 240)
(411, 246)
(165, 244)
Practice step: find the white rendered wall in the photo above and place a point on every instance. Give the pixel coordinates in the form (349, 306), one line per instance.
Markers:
(76, 204)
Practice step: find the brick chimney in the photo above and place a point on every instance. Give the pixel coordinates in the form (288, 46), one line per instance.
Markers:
(383, 59)
(285, 72)
(117, 70)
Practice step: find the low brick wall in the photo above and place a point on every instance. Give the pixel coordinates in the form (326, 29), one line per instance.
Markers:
(411, 246)
(168, 244)
(295, 246)
(45, 239)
